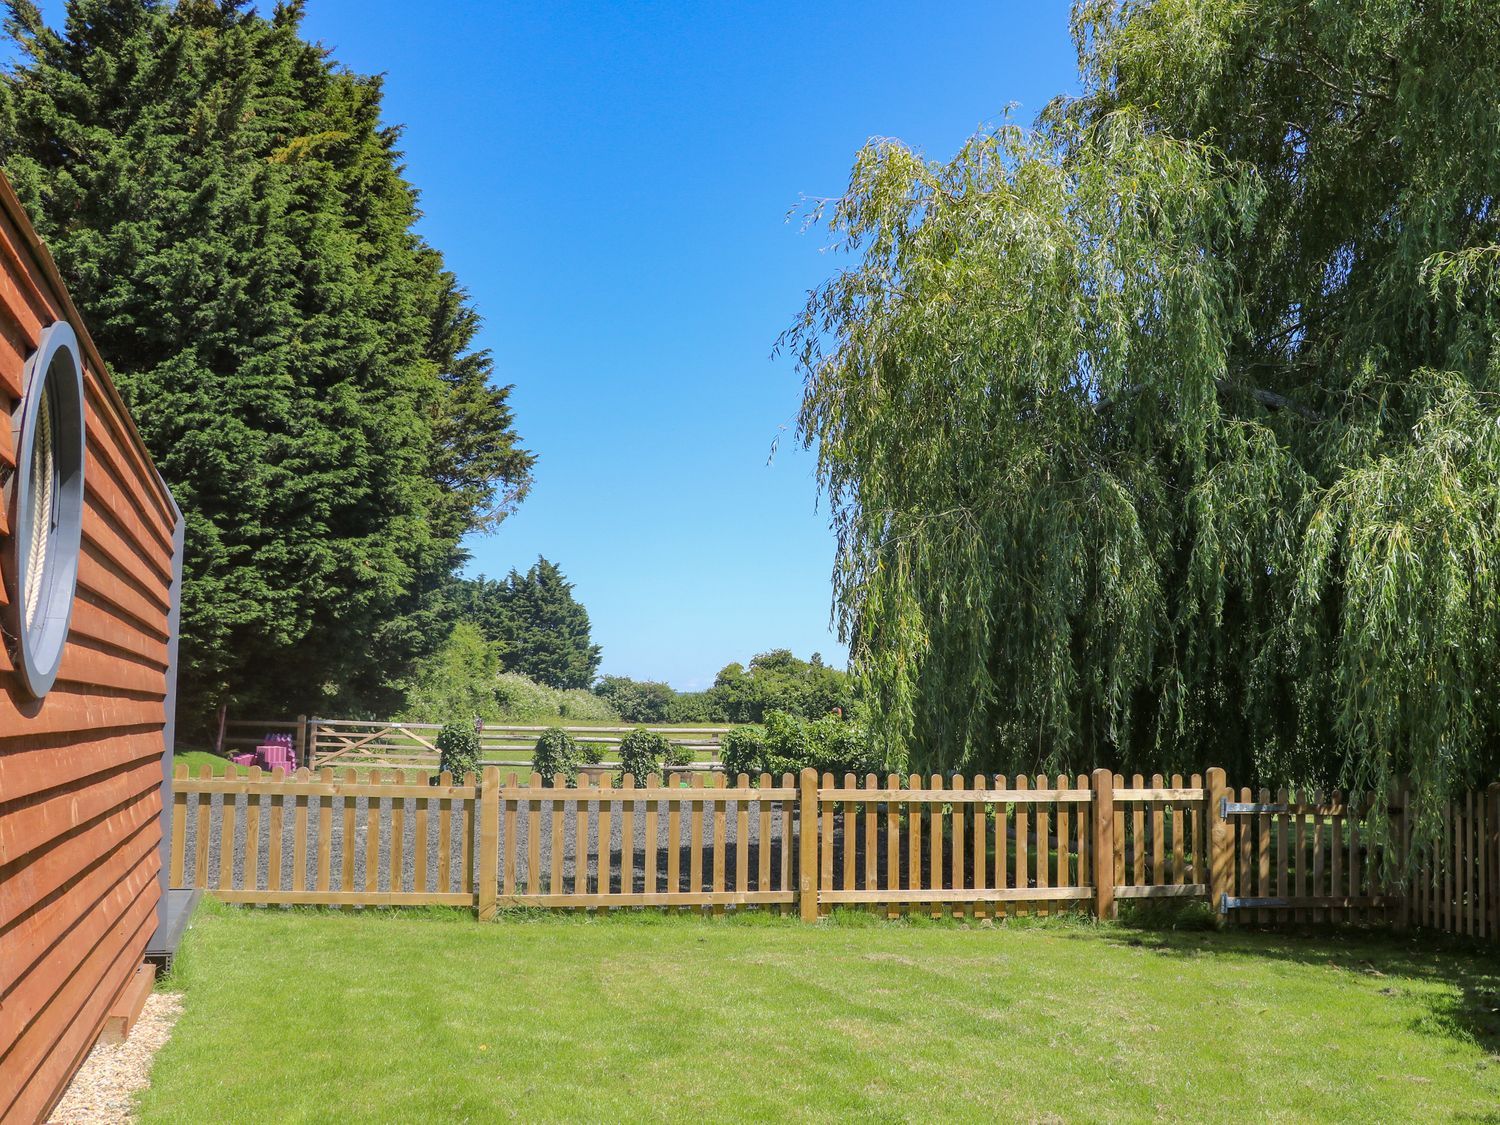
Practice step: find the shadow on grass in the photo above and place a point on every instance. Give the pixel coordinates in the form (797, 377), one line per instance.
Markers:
(1469, 1010)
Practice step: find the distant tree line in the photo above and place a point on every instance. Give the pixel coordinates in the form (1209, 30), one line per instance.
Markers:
(774, 681)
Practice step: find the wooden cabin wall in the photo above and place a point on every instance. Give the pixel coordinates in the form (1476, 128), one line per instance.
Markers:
(80, 769)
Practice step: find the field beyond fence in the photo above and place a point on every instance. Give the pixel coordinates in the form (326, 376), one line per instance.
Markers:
(986, 847)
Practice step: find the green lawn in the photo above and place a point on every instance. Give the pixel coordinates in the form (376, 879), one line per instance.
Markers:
(313, 1016)
(197, 759)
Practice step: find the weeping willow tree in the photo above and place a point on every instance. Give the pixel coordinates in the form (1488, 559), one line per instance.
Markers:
(1166, 432)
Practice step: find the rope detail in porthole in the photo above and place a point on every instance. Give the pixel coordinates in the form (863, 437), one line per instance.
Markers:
(40, 518)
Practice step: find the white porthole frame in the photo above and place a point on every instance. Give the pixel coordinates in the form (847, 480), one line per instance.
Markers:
(48, 521)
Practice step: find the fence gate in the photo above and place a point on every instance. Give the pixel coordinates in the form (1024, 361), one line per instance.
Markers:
(1303, 856)
(344, 742)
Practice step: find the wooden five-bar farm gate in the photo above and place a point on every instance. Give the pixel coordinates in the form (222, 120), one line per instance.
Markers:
(982, 847)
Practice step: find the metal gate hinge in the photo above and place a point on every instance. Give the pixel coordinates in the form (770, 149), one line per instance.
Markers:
(1231, 808)
(1229, 902)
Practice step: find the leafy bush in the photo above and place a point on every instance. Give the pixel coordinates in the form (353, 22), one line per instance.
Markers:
(637, 701)
(678, 755)
(458, 679)
(643, 752)
(787, 745)
(556, 753)
(693, 707)
(828, 745)
(458, 749)
(743, 750)
(779, 681)
(521, 699)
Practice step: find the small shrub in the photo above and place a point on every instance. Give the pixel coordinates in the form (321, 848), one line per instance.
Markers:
(556, 753)
(743, 750)
(679, 755)
(643, 752)
(787, 747)
(458, 749)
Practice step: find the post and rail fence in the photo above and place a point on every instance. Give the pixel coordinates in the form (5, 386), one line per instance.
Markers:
(387, 743)
(982, 847)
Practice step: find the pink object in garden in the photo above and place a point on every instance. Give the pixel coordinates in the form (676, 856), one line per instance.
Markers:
(274, 751)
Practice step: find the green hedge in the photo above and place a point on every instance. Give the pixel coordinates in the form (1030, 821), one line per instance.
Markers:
(787, 744)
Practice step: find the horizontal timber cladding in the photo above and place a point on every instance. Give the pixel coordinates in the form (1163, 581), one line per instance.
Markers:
(80, 767)
(980, 847)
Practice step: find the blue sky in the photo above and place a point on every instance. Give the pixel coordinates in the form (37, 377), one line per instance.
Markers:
(611, 183)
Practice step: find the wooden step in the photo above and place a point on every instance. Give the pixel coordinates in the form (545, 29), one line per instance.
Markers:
(128, 1005)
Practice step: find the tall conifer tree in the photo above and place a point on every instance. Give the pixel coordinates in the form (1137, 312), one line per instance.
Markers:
(541, 628)
(229, 210)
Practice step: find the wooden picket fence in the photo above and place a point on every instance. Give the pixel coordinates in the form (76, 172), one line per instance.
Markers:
(1465, 898)
(976, 848)
(1310, 857)
(680, 819)
(982, 847)
(319, 845)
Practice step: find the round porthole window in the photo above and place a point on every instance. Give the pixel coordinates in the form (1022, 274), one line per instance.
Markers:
(48, 505)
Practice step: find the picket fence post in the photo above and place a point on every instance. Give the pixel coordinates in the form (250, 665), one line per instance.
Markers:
(1103, 868)
(1492, 860)
(1403, 857)
(489, 842)
(807, 845)
(1220, 840)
